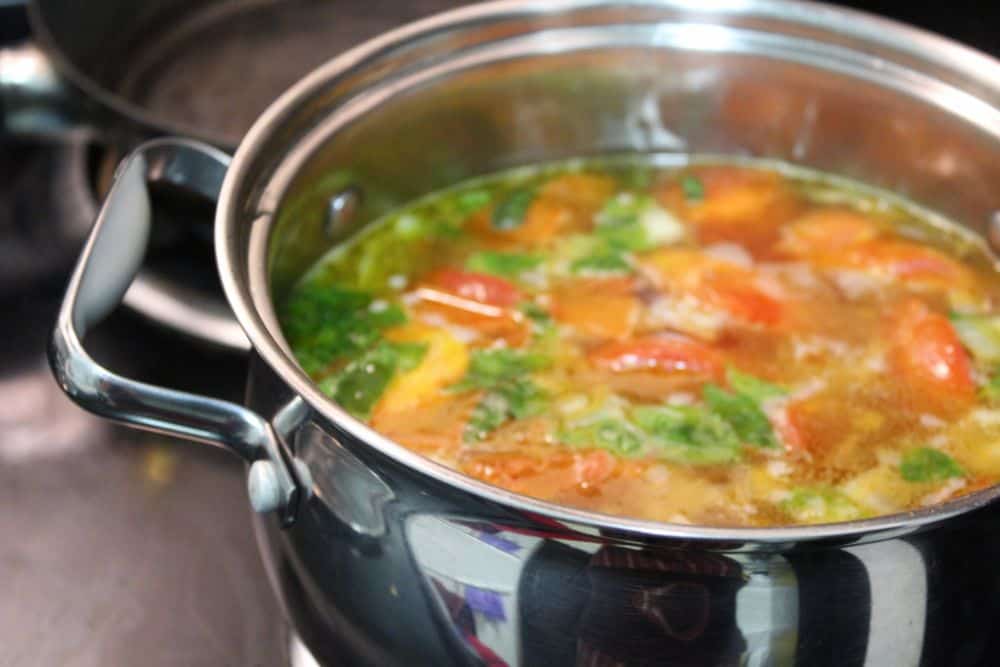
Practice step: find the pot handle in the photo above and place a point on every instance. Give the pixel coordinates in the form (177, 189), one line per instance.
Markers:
(107, 266)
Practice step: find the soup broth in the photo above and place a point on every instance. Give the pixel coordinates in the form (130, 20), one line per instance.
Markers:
(716, 343)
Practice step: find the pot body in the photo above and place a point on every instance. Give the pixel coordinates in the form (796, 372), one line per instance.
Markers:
(389, 558)
(393, 560)
(386, 567)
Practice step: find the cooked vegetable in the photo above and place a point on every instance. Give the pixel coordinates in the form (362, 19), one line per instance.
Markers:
(928, 465)
(820, 505)
(509, 212)
(630, 222)
(743, 414)
(509, 392)
(694, 189)
(363, 380)
(327, 323)
(614, 435)
(980, 333)
(504, 264)
(689, 435)
(725, 344)
(603, 262)
(753, 387)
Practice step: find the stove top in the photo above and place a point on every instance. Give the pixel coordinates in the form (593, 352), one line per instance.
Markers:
(121, 547)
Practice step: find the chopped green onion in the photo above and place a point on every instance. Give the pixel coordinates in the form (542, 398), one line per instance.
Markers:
(928, 465)
(694, 189)
(509, 213)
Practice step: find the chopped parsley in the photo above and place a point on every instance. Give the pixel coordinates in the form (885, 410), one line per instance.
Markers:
(510, 211)
(820, 505)
(928, 465)
(743, 414)
(504, 264)
(363, 381)
(509, 392)
(325, 324)
(693, 188)
(688, 434)
(615, 435)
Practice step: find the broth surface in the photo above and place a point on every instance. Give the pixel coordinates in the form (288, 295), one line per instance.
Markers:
(715, 343)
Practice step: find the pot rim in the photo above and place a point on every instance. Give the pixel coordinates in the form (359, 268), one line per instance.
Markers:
(246, 299)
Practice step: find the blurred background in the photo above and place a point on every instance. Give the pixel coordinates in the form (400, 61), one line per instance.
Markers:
(121, 548)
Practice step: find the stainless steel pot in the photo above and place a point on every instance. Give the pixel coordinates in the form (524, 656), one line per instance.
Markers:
(389, 558)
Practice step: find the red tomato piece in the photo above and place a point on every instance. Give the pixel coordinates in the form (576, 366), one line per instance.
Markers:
(790, 429)
(594, 467)
(926, 353)
(745, 302)
(480, 287)
(673, 354)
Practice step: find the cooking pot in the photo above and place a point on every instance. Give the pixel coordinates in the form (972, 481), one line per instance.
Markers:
(381, 556)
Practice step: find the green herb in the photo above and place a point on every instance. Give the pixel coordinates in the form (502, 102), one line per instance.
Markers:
(753, 387)
(489, 368)
(622, 210)
(689, 434)
(363, 381)
(325, 324)
(536, 314)
(694, 189)
(491, 411)
(505, 264)
(509, 213)
(820, 505)
(603, 262)
(991, 390)
(928, 465)
(980, 333)
(630, 237)
(743, 414)
(614, 435)
(471, 201)
(503, 375)
(635, 223)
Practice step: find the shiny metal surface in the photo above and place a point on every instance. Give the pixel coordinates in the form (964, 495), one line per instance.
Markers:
(167, 67)
(107, 266)
(517, 82)
(417, 564)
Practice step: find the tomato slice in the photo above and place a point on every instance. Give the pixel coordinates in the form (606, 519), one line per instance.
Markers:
(716, 283)
(475, 300)
(668, 354)
(903, 260)
(744, 301)
(593, 468)
(480, 287)
(926, 353)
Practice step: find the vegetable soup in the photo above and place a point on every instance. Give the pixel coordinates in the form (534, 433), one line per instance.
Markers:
(715, 343)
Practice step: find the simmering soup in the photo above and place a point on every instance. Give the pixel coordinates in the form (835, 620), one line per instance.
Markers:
(716, 343)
